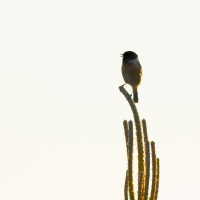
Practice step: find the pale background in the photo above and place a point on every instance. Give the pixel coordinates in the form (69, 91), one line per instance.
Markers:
(61, 113)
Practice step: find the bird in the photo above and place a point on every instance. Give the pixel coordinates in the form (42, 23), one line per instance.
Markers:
(132, 71)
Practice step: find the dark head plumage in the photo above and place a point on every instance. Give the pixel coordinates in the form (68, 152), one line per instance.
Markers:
(128, 55)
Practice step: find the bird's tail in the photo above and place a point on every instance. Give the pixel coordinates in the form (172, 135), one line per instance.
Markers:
(135, 95)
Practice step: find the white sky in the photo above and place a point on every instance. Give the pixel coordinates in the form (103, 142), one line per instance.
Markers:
(61, 113)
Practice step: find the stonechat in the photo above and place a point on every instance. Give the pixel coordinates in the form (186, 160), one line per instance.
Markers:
(132, 71)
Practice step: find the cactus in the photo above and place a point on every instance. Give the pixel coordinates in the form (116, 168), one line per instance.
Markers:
(145, 155)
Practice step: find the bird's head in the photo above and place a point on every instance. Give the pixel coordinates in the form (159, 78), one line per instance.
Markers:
(128, 55)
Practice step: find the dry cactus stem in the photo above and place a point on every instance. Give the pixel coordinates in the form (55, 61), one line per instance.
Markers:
(145, 157)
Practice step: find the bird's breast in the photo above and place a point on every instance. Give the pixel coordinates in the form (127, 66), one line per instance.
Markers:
(132, 74)
(131, 68)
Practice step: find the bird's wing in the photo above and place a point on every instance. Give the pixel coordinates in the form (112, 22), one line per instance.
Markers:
(138, 62)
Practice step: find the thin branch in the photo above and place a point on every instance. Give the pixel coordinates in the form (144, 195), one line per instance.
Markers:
(153, 186)
(126, 133)
(130, 161)
(147, 169)
(126, 187)
(138, 129)
(144, 126)
(157, 177)
(140, 184)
